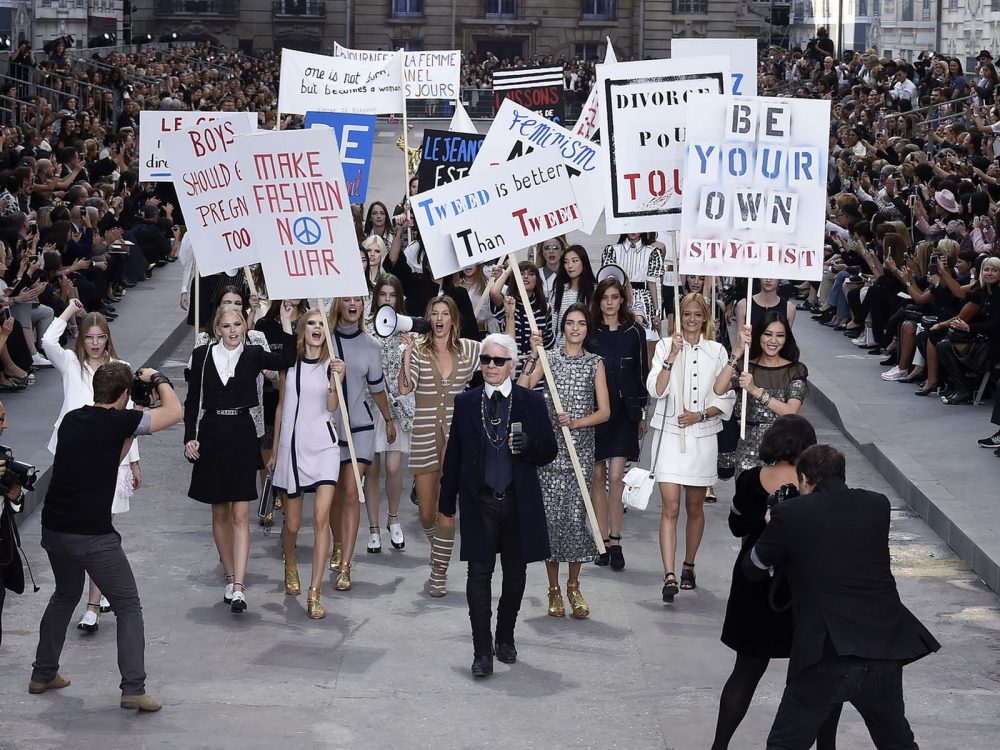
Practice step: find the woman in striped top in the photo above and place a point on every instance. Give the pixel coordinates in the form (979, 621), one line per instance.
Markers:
(534, 286)
(575, 282)
(436, 367)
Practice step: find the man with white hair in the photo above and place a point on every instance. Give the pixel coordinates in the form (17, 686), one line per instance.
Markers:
(500, 433)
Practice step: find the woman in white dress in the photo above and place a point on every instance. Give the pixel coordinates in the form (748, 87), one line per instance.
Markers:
(94, 348)
(686, 418)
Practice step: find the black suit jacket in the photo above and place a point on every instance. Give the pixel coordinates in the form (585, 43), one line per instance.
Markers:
(462, 474)
(833, 546)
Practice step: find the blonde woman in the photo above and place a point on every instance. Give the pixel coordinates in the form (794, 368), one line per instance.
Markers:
(306, 455)
(436, 368)
(686, 418)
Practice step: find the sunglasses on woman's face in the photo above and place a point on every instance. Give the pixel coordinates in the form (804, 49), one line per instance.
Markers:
(485, 359)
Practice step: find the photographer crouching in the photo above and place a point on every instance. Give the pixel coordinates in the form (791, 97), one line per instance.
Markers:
(77, 532)
(851, 633)
(15, 477)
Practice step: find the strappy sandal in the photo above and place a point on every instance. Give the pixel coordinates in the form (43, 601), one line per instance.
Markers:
(687, 577)
(669, 587)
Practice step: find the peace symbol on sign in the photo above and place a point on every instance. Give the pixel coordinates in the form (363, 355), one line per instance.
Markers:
(306, 230)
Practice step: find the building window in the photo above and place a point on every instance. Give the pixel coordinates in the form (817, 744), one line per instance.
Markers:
(407, 8)
(799, 11)
(877, 8)
(907, 10)
(587, 50)
(683, 7)
(810, 11)
(952, 4)
(299, 8)
(994, 5)
(597, 10)
(500, 8)
(925, 11)
(862, 8)
(407, 45)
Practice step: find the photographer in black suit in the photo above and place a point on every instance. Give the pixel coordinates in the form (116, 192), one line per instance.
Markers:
(852, 634)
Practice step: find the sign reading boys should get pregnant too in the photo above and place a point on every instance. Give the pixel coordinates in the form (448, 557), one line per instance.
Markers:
(754, 199)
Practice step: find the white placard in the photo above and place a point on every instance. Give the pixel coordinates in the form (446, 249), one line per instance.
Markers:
(755, 187)
(643, 113)
(153, 125)
(211, 189)
(499, 210)
(517, 131)
(319, 83)
(742, 55)
(300, 214)
(427, 74)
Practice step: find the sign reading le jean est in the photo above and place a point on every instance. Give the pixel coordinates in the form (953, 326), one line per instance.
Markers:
(755, 187)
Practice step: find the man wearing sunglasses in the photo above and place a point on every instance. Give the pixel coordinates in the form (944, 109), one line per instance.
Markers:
(500, 433)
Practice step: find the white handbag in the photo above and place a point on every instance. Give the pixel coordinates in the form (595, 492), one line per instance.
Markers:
(639, 482)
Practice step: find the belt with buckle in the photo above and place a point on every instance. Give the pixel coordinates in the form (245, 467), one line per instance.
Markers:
(228, 412)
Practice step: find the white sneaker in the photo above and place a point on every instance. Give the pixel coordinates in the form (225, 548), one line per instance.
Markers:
(88, 622)
(105, 604)
(375, 542)
(894, 374)
(396, 536)
(39, 361)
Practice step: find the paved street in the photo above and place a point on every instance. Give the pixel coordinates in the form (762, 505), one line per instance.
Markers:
(389, 666)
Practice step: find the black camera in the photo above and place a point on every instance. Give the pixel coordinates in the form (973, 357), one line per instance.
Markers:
(17, 473)
(142, 392)
(783, 493)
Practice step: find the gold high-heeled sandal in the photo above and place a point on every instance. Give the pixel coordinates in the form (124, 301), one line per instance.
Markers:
(556, 608)
(344, 578)
(292, 585)
(336, 557)
(313, 606)
(581, 609)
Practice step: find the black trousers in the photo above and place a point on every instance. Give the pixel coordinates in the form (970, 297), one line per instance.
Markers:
(503, 536)
(873, 687)
(102, 557)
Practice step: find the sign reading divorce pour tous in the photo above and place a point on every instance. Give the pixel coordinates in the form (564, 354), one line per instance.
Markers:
(755, 188)
(301, 215)
(319, 83)
(210, 184)
(496, 211)
(643, 110)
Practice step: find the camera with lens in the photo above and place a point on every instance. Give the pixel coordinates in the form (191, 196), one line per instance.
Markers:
(17, 473)
(142, 392)
(783, 493)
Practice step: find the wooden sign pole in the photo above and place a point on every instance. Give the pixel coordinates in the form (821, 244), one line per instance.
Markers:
(197, 303)
(557, 404)
(406, 170)
(346, 419)
(746, 363)
(679, 367)
(486, 292)
(250, 282)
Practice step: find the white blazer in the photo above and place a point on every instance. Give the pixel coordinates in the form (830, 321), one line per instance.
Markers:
(78, 382)
(699, 365)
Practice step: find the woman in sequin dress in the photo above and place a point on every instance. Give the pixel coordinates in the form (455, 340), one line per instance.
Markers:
(583, 391)
(775, 383)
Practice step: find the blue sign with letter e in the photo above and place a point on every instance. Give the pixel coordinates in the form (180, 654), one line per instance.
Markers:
(356, 138)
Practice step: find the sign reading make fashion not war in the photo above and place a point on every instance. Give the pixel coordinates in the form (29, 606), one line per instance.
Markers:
(497, 211)
(356, 139)
(446, 156)
(755, 187)
(319, 83)
(742, 55)
(643, 113)
(426, 74)
(301, 214)
(517, 131)
(211, 187)
(154, 125)
(541, 90)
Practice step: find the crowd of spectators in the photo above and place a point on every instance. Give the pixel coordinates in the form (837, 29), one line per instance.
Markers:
(912, 253)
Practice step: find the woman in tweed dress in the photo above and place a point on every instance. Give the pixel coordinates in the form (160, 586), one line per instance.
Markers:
(436, 367)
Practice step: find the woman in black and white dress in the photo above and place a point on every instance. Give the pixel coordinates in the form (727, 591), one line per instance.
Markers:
(220, 437)
(687, 416)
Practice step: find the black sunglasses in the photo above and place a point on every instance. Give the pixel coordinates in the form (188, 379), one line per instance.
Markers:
(485, 359)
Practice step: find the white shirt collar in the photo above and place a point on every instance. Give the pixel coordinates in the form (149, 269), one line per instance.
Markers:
(505, 388)
(226, 360)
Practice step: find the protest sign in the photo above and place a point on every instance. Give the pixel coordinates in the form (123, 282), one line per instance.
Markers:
(211, 189)
(517, 130)
(356, 139)
(153, 125)
(319, 83)
(426, 74)
(587, 123)
(495, 212)
(460, 121)
(643, 110)
(446, 157)
(742, 59)
(300, 214)
(755, 188)
(539, 89)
